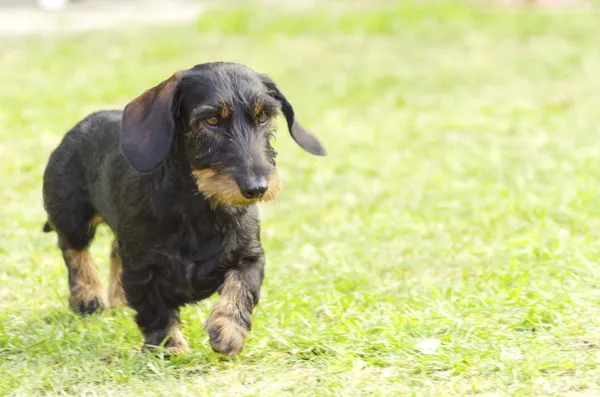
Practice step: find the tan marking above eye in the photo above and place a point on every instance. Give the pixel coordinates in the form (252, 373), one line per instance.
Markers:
(258, 108)
(224, 111)
(262, 118)
(212, 121)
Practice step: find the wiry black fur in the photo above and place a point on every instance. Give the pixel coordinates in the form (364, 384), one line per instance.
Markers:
(176, 247)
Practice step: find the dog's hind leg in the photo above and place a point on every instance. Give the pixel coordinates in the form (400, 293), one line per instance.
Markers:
(87, 291)
(115, 288)
(74, 219)
(75, 223)
(86, 288)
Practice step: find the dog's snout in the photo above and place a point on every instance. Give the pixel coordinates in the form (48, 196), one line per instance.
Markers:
(254, 187)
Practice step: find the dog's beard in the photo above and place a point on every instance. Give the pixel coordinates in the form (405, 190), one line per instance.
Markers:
(221, 189)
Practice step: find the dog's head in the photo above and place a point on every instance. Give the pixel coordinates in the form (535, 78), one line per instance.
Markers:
(222, 114)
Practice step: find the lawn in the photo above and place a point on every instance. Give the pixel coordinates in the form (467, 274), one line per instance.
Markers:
(460, 200)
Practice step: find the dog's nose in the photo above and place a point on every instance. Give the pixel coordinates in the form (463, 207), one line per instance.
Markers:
(254, 187)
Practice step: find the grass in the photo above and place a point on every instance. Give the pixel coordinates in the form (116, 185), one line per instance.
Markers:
(459, 201)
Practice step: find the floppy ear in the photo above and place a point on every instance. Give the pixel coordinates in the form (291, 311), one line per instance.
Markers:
(147, 127)
(302, 137)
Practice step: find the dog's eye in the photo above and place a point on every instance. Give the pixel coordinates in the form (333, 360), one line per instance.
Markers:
(262, 118)
(212, 121)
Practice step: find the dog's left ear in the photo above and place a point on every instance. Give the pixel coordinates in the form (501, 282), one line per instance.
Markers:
(147, 127)
(302, 137)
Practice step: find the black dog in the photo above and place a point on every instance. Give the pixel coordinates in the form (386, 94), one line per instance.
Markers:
(176, 176)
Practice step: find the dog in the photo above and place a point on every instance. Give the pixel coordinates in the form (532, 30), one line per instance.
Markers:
(176, 175)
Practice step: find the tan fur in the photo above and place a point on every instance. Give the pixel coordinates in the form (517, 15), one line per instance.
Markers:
(230, 335)
(115, 289)
(161, 93)
(87, 283)
(222, 189)
(258, 107)
(176, 344)
(96, 220)
(224, 111)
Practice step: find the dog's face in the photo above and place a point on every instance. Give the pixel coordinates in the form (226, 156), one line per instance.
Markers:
(228, 117)
(223, 113)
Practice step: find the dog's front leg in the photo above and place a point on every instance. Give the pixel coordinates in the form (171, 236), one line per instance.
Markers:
(158, 321)
(231, 317)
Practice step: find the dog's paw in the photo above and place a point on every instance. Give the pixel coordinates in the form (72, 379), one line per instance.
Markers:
(86, 304)
(226, 335)
(174, 350)
(174, 345)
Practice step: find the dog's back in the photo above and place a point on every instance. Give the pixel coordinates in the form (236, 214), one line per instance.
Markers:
(85, 147)
(78, 166)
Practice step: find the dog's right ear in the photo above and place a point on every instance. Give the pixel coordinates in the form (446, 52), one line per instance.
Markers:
(147, 127)
(305, 139)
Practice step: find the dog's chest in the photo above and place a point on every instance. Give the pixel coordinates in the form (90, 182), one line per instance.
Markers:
(197, 258)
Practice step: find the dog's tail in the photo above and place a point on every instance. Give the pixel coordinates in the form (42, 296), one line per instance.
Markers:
(47, 227)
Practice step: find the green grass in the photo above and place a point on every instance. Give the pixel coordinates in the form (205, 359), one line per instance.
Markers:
(460, 200)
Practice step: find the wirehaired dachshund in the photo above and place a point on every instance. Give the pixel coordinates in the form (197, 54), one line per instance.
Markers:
(176, 176)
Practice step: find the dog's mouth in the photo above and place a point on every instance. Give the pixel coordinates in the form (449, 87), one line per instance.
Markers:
(221, 188)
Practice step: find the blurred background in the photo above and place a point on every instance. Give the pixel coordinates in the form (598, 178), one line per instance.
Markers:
(27, 16)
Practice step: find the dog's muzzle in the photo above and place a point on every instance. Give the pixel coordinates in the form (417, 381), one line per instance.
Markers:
(222, 189)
